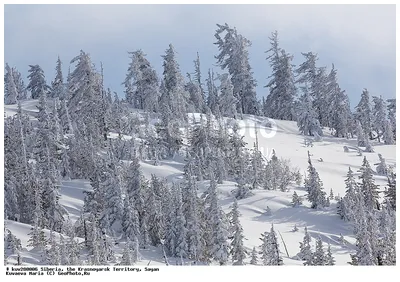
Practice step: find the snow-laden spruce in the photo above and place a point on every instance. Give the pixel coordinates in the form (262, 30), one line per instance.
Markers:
(234, 57)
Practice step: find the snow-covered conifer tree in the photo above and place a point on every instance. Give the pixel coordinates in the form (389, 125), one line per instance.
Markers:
(156, 220)
(212, 97)
(348, 203)
(390, 193)
(314, 187)
(329, 259)
(46, 155)
(10, 89)
(264, 248)
(134, 187)
(141, 83)
(282, 91)
(382, 168)
(37, 238)
(175, 94)
(378, 116)
(237, 251)
(195, 88)
(315, 98)
(368, 187)
(73, 251)
(57, 84)
(63, 248)
(305, 248)
(53, 254)
(273, 248)
(361, 139)
(130, 221)
(113, 193)
(12, 245)
(391, 106)
(215, 216)
(227, 102)
(339, 107)
(37, 83)
(181, 247)
(388, 136)
(331, 196)
(364, 252)
(364, 115)
(254, 259)
(234, 56)
(319, 256)
(257, 164)
(387, 240)
(307, 120)
(126, 255)
(20, 84)
(85, 96)
(192, 215)
(296, 200)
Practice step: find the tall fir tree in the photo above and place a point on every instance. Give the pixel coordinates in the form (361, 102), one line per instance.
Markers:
(174, 95)
(219, 246)
(10, 89)
(57, 85)
(237, 250)
(378, 116)
(391, 107)
(46, 153)
(85, 94)
(227, 102)
(305, 248)
(388, 136)
(314, 187)
(368, 187)
(282, 90)
(254, 259)
(212, 91)
(313, 79)
(130, 221)
(339, 107)
(307, 119)
(234, 56)
(364, 115)
(318, 257)
(191, 212)
(37, 83)
(195, 88)
(20, 84)
(156, 221)
(141, 83)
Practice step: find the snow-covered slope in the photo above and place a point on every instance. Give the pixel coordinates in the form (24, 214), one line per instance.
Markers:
(288, 144)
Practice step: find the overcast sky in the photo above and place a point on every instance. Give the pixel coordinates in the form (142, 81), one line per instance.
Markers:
(359, 39)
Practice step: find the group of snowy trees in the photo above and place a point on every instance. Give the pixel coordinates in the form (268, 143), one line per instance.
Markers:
(322, 102)
(317, 257)
(308, 94)
(219, 146)
(70, 139)
(374, 222)
(14, 86)
(174, 96)
(375, 121)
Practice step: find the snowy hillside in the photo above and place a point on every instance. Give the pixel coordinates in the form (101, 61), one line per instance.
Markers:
(327, 156)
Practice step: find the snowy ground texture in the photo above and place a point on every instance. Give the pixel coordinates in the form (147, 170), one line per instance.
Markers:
(287, 143)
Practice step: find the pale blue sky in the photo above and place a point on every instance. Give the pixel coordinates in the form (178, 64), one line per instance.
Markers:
(359, 40)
